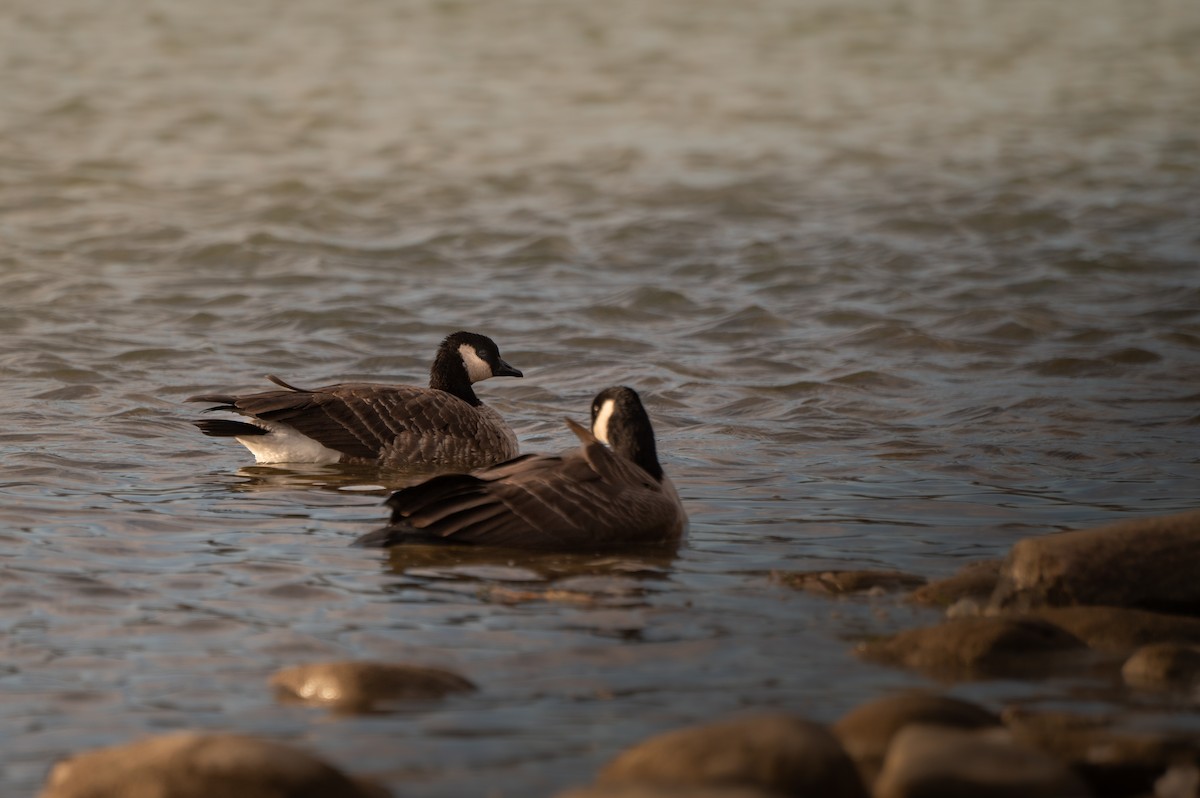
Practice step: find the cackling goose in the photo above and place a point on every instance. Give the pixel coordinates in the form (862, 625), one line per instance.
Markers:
(444, 425)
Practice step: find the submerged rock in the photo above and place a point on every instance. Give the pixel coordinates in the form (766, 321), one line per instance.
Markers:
(780, 753)
(1113, 762)
(1119, 629)
(976, 582)
(985, 647)
(1149, 563)
(976, 648)
(1163, 666)
(1180, 781)
(365, 686)
(938, 762)
(867, 731)
(195, 765)
(841, 582)
(651, 791)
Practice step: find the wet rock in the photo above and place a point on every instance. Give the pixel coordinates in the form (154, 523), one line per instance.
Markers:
(866, 731)
(966, 608)
(194, 765)
(834, 583)
(1113, 762)
(975, 582)
(365, 686)
(1180, 781)
(1118, 629)
(938, 762)
(1163, 665)
(985, 647)
(650, 791)
(780, 753)
(1150, 563)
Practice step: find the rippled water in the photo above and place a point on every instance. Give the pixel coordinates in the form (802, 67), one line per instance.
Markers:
(900, 282)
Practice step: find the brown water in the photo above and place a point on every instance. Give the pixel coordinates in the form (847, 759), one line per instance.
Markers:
(900, 282)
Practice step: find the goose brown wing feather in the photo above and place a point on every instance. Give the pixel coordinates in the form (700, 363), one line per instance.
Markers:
(586, 497)
(214, 398)
(357, 420)
(609, 466)
(525, 463)
(371, 421)
(614, 469)
(512, 502)
(434, 492)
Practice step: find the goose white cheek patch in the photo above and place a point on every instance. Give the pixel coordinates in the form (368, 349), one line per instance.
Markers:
(477, 367)
(600, 425)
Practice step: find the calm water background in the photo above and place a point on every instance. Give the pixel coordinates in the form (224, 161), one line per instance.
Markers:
(901, 282)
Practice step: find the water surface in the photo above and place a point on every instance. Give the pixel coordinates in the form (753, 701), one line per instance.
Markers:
(900, 283)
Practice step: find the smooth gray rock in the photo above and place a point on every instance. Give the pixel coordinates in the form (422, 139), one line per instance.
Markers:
(939, 762)
(780, 753)
(976, 647)
(196, 765)
(365, 686)
(867, 730)
(1163, 666)
(1149, 563)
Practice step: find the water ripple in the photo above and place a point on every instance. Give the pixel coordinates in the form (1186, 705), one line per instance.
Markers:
(901, 295)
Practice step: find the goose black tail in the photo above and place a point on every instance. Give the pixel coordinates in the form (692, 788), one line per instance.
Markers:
(223, 428)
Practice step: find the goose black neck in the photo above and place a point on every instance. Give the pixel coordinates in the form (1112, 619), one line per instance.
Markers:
(450, 375)
(635, 440)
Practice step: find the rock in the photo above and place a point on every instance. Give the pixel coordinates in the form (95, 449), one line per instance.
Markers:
(1119, 629)
(966, 608)
(938, 762)
(840, 582)
(365, 686)
(779, 753)
(985, 647)
(974, 582)
(195, 765)
(650, 791)
(1149, 563)
(1180, 781)
(866, 731)
(1163, 665)
(1114, 763)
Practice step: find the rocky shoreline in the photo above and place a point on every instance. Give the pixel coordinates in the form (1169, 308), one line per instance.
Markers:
(1121, 600)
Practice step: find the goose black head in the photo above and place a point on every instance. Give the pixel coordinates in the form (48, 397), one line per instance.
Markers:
(619, 420)
(464, 358)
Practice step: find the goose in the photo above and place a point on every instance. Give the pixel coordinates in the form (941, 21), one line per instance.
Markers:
(590, 498)
(442, 426)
